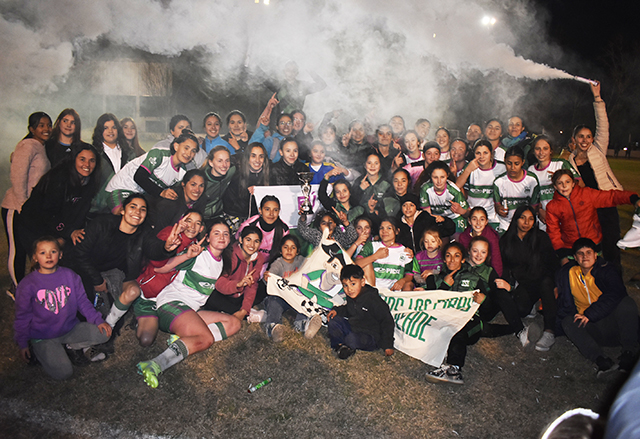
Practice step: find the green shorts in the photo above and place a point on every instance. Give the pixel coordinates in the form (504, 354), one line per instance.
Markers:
(144, 308)
(168, 312)
(117, 198)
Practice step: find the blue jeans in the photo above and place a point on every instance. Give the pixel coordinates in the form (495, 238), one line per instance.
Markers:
(276, 306)
(340, 333)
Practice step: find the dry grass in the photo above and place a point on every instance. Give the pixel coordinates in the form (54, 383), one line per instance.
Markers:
(508, 392)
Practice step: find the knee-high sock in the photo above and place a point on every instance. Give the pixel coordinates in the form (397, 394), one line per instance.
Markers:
(118, 309)
(217, 330)
(175, 353)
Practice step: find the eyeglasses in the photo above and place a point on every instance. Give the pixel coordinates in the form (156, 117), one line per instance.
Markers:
(285, 124)
(326, 223)
(385, 133)
(295, 119)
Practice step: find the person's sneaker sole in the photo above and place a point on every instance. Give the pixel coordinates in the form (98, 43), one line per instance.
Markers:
(314, 326)
(440, 380)
(277, 333)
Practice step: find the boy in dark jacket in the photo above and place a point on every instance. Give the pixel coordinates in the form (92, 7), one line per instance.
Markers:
(365, 322)
(594, 309)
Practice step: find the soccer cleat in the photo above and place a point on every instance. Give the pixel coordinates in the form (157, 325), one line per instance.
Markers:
(447, 373)
(545, 342)
(77, 357)
(171, 339)
(345, 352)
(523, 336)
(150, 371)
(313, 326)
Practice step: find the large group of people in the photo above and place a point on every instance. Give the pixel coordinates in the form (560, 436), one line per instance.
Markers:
(176, 234)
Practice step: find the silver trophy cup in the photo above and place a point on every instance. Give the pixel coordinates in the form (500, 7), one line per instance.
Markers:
(306, 208)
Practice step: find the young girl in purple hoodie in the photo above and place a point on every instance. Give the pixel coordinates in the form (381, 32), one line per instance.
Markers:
(47, 301)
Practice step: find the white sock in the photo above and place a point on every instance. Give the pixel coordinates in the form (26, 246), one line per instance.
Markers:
(217, 330)
(175, 353)
(118, 309)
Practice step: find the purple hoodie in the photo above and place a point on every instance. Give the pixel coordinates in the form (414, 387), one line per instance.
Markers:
(46, 306)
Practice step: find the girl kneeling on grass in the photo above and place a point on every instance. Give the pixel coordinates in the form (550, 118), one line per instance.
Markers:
(179, 302)
(47, 301)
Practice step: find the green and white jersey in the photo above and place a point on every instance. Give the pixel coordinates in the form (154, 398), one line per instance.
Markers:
(499, 153)
(440, 203)
(157, 162)
(544, 178)
(445, 156)
(194, 283)
(516, 194)
(479, 189)
(391, 269)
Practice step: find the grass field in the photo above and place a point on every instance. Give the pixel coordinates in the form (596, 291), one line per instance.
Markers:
(508, 392)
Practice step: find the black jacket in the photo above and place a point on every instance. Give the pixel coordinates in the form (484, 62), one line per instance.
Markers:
(282, 174)
(166, 212)
(369, 313)
(410, 236)
(88, 261)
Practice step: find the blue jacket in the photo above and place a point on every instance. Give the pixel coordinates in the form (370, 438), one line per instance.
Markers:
(259, 136)
(609, 282)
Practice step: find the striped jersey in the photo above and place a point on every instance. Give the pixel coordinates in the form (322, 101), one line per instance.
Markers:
(391, 269)
(479, 189)
(157, 162)
(516, 194)
(194, 283)
(440, 203)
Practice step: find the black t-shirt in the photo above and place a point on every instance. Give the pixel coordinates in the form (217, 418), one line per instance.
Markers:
(588, 176)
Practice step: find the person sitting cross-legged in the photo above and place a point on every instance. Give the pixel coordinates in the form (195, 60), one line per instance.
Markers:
(594, 309)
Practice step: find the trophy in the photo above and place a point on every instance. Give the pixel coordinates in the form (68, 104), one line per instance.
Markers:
(305, 208)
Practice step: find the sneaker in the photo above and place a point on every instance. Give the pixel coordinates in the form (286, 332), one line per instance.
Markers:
(626, 361)
(344, 352)
(150, 371)
(256, 316)
(277, 333)
(534, 312)
(171, 339)
(94, 355)
(545, 342)
(632, 237)
(447, 373)
(77, 357)
(314, 325)
(605, 366)
(523, 336)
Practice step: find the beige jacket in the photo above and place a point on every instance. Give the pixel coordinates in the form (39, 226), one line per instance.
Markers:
(597, 152)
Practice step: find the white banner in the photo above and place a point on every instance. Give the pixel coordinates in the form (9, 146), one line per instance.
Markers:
(290, 200)
(427, 320)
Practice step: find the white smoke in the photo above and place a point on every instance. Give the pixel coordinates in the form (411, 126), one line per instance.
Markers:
(393, 56)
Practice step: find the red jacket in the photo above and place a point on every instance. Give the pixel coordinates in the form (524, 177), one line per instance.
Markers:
(576, 217)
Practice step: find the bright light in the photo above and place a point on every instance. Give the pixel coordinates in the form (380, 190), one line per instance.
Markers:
(488, 21)
(434, 35)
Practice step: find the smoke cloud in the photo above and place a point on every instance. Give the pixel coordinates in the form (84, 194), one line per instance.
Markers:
(406, 57)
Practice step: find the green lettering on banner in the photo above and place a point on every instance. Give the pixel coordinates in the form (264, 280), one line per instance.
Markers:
(452, 302)
(443, 301)
(414, 330)
(410, 318)
(427, 323)
(464, 304)
(397, 318)
(399, 302)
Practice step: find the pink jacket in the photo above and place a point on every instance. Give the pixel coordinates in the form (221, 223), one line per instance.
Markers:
(29, 162)
(227, 284)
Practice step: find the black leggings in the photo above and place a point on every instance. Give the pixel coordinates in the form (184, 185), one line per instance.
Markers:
(527, 294)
